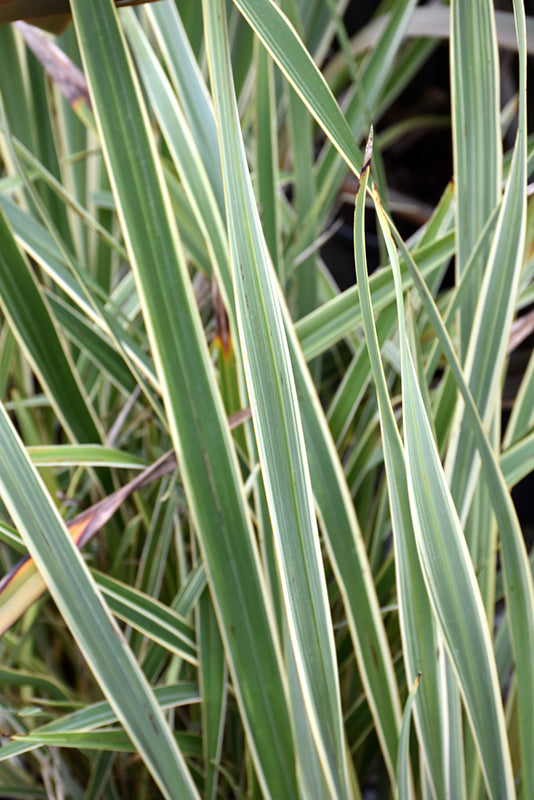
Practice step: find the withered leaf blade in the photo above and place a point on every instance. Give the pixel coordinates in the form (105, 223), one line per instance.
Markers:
(69, 78)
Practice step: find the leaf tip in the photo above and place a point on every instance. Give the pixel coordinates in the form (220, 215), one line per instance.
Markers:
(368, 153)
(366, 159)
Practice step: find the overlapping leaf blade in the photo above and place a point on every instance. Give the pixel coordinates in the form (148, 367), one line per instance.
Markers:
(199, 429)
(340, 526)
(33, 325)
(89, 620)
(448, 571)
(421, 643)
(282, 41)
(105, 330)
(280, 442)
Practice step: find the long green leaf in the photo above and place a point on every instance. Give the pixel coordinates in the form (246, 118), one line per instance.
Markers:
(284, 44)
(421, 644)
(476, 136)
(115, 741)
(184, 148)
(190, 87)
(86, 615)
(99, 714)
(90, 455)
(518, 577)
(404, 752)
(212, 679)
(33, 326)
(145, 614)
(486, 349)
(484, 365)
(279, 437)
(200, 433)
(347, 553)
(448, 570)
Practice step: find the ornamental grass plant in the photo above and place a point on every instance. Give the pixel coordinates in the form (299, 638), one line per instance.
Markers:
(257, 532)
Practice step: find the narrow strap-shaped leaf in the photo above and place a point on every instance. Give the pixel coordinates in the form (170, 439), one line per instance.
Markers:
(476, 136)
(90, 622)
(191, 90)
(518, 576)
(33, 326)
(421, 649)
(145, 614)
(201, 436)
(301, 143)
(279, 436)
(338, 317)
(268, 158)
(99, 714)
(403, 760)
(114, 740)
(212, 678)
(284, 44)
(448, 570)
(90, 455)
(517, 461)
(184, 148)
(348, 556)
(506, 249)
(486, 347)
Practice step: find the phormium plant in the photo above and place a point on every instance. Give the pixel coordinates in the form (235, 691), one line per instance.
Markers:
(316, 585)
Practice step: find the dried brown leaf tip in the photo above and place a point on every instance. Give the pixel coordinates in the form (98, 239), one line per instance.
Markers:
(366, 159)
(368, 153)
(69, 79)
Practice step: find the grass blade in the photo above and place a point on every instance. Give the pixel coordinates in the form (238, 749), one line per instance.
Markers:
(418, 629)
(448, 570)
(279, 436)
(33, 326)
(86, 615)
(476, 136)
(196, 418)
(403, 772)
(285, 46)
